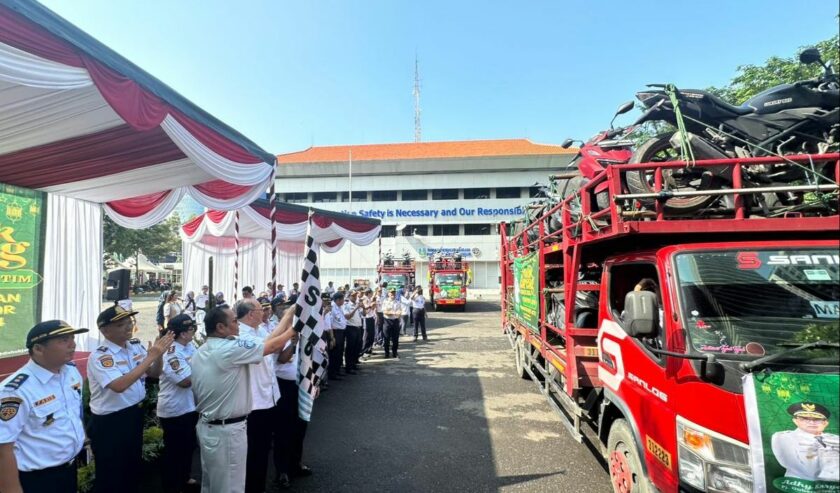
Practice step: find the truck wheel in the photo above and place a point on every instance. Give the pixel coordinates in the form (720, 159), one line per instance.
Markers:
(462, 308)
(624, 461)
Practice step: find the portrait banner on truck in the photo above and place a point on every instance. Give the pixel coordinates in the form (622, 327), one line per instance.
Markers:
(793, 428)
(22, 223)
(525, 286)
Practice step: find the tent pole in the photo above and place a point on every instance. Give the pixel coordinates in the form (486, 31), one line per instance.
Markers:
(236, 258)
(273, 200)
(350, 207)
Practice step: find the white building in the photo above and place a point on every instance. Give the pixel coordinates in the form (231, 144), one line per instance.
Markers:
(429, 196)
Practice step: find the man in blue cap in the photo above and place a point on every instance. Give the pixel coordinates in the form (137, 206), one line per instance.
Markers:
(41, 430)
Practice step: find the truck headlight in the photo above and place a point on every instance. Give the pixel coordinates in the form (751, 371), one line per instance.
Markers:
(712, 462)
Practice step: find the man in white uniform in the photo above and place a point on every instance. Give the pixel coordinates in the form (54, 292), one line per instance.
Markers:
(117, 372)
(807, 452)
(221, 374)
(265, 393)
(41, 430)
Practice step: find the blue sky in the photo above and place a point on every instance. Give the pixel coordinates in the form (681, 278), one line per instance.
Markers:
(293, 74)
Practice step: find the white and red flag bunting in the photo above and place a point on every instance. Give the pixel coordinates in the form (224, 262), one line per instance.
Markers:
(312, 349)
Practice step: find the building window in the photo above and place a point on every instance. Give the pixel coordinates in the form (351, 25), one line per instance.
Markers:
(533, 191)
(415, 195)
(389, 231)
(294, 198)
(478, 229)
(416, 229)
(357, 196)
(323, 197)
(476, 193)
(446, 230)
(384, 196)
(445, 194)
(508, 193)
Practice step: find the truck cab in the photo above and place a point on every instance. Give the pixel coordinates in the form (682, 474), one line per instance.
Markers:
(448, 281)
(717, 306)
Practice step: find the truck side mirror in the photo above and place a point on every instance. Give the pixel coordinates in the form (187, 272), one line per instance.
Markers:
(809, 56)
(641, 314)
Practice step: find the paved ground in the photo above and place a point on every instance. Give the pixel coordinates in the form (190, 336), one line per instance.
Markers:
(450, 415)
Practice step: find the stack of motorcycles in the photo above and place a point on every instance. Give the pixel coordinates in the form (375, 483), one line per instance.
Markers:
(788, 119)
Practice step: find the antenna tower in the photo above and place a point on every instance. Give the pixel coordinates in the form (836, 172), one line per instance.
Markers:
(416, 99)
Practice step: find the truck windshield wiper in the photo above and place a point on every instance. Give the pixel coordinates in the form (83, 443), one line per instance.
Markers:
(766, 359)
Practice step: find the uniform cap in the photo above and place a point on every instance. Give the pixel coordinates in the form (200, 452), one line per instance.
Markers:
(113, 314)
(809, 410)
(50, 329)
(337, 296)
(180, 323)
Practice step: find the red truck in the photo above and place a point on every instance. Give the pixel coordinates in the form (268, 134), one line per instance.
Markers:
(398, 273)
(448, 281)
(640, 328)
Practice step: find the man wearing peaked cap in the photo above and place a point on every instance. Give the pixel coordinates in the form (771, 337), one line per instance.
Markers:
(808, 452)
(116, 373)
(41, 429)
(176, 405)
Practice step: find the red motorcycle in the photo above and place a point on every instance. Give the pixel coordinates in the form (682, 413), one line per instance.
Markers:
(604, 149)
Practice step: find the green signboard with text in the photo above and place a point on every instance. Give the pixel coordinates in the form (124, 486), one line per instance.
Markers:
(525, 286)
(22, 224)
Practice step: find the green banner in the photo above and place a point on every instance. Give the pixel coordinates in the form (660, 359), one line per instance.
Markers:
(526, 283)
(793, 427)
(22, 223)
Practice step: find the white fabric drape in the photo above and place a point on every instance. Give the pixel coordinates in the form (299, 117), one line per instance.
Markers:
(152, 217)
(254, 264)
(26, 69)
(72, 289)
(216, 165)
(334, 232)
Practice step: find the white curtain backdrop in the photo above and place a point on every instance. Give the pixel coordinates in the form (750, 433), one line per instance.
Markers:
(72, 286)
(254, 266)
(24, 68)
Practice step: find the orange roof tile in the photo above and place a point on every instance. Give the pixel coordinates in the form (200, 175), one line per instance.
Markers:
(423, 150)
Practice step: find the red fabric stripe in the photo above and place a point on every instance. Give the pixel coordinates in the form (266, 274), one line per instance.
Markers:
(216, 216)
(95, 155)
(281, 216)
(139, 108)
(214, 141)
(22, 34)
(354, 226)
(137, 206)
(222, 190)
(191, 226)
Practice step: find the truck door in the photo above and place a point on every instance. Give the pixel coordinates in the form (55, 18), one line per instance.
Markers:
(639, 378)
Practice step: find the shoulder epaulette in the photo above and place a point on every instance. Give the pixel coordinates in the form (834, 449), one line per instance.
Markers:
(103, 349)
(135, 341)
(71, 363)
(16, 382)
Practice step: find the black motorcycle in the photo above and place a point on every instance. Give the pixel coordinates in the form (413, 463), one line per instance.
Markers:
(799, 118)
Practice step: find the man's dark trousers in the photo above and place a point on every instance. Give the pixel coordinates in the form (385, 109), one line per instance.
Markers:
(58, 479)
(370, 324)
(392, 335)
(289, 430)
(260, 425)
(336, 353)
(179, 443)
(117, 441)
(352, 346)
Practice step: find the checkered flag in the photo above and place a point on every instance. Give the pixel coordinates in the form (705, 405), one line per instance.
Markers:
(312, 350)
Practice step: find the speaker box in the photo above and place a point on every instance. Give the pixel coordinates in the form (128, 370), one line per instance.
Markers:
(118, 285)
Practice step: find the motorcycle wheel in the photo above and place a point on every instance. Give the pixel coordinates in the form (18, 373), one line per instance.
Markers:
(657, 150)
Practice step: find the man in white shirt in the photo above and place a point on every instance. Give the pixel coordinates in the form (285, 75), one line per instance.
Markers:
(117, 372)
(41, 430)
(353, 344)
(808, 452)
(202, 301)
(264, 396)
(330, 290)
(339, 325)
(369, 318)
(221, 376)
(392, 310)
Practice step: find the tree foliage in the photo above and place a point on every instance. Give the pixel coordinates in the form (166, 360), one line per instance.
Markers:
(156, 241)
(752, 79)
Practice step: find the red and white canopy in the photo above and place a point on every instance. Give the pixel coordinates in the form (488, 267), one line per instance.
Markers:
(330, 229)
(79, 120)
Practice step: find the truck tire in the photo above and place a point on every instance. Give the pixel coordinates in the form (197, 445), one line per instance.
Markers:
(462, 308)
(626, 472)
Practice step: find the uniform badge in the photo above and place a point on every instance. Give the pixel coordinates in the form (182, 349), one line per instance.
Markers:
(45, 400)
(246, 344)
(50, 420)
(175, 364)
(9, 407)
(106, 361)
(171, 349)
(17, 381)
(78, 388)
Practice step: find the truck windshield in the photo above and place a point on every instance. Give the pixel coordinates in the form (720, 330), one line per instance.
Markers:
(752, 303)
(395, 280)
(449, 279)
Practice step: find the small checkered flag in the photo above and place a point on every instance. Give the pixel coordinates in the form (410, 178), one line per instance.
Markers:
(312, 350)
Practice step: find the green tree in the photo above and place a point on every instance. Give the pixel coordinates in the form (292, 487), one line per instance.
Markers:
(158, 240)
(752, 79)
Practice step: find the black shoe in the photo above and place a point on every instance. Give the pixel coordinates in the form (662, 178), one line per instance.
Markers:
(387, 355)
(415, 338)
(396, 356)
(283, 481)
(425, 338)
(302, 471)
